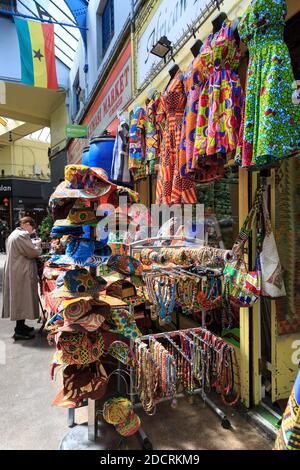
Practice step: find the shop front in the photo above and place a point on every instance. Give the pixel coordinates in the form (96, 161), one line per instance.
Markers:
(266, 336)
(19, 198)
(109, 102)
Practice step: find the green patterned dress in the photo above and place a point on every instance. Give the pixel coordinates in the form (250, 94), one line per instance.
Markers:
(270, 129)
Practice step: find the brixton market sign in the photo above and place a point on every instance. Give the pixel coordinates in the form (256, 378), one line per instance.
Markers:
(113, 97)
(172, 19)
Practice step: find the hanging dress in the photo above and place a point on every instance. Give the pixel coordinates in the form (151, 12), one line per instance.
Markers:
(220, 104)
(119, 168)
(152, 134)
(271, 122)
(137, 144)
(171, 187)
(193, 82)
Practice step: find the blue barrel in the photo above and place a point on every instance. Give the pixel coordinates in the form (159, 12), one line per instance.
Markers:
(85, 155)
(101, 152)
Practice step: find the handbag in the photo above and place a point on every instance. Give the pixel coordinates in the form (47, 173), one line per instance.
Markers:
(271, 271)
(243, 287)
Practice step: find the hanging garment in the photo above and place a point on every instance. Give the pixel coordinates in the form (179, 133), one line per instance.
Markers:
(152, 134)
(119, 168)
(271, 122)
(137, 144)
(220, 104)
(172, 188)
(192, 81)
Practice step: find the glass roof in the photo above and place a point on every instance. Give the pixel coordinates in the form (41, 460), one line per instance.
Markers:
(66, 38)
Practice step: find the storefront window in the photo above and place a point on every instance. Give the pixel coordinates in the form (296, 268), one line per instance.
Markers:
(107, 25)
(7, 5)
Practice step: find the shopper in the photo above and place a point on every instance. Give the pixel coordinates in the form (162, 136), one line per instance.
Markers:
(20, 280)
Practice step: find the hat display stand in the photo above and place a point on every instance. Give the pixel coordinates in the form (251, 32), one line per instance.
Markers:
(95, 435)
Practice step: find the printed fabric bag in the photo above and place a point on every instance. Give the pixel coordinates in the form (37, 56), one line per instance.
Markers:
(243, 287)
(271, 271)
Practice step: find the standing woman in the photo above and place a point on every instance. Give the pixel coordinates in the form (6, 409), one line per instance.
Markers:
(20, 279)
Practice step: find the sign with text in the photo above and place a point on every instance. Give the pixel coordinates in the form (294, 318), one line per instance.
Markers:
(76, 130)
(172, 19)
(113, 97)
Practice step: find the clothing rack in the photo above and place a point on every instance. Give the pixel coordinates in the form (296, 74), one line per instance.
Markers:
(193, 334)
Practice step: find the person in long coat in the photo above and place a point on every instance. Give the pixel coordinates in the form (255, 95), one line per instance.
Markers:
(20, 278)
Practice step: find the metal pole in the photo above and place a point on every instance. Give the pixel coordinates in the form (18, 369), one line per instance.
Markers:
(9, 13)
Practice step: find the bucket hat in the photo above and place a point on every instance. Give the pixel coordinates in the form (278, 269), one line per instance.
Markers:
(126, 291)
(77, 283)
(78, 216)
(64, 192)
(78, 348)
(130, 426)
(81, 382)
(83, 252)
(119, 412)
(120, 351)
(125, 264)
(124, 324)
(84, 316)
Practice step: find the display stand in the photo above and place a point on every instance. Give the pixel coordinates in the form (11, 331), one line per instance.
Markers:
(225, 422)
(134, 248)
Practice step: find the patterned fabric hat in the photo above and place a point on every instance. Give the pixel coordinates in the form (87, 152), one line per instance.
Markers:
(78, 348)
(77, 283)
(78, 216)
(63, 192)
(126, 291)
(79, 316)
(124, 324)
(83, 252)
(119, 412)
(94, 180)
(120, 351)
(81, 382)
(116, 410)
(130, 426)
(125, 264)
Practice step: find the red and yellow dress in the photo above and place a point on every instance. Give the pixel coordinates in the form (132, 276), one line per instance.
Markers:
(172, 188)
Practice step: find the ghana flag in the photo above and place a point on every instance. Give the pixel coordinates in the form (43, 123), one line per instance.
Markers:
(36, 42)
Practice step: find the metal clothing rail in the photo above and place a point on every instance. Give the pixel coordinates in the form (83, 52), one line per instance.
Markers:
(198, 391)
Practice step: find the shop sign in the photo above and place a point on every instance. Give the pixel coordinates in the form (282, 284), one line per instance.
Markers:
(173, 18)
(113, 97)
(76, 130)
(5, 188)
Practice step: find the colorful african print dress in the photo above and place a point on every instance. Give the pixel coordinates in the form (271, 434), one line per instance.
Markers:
(171, 187)
(193, 82)
(288, 437)
(152, 134)
(271, 123)
(137, 144)
(220, 104)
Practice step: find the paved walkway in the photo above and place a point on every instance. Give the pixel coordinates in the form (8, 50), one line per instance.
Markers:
(28, 421)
